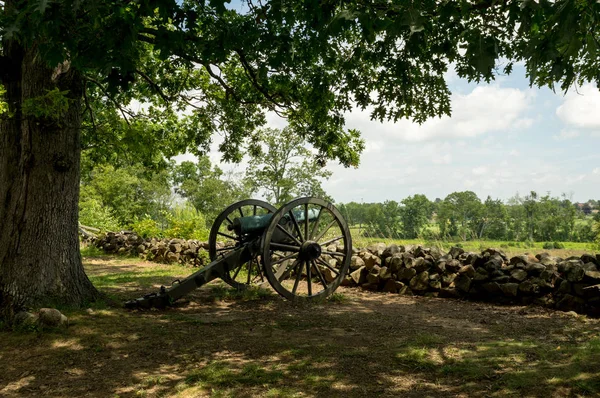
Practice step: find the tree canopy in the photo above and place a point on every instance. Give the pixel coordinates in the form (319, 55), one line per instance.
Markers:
(307, 60)
(140, 80)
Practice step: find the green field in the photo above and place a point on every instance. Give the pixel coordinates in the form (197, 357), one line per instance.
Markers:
(510, 248)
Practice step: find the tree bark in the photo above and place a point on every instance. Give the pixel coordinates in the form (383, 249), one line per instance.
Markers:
(40, 262)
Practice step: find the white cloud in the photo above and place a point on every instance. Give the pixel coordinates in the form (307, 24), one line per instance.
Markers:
(484, 110)
(580, 108)
(596, 170)
(478, 171)
(566, 135)
(444, 159)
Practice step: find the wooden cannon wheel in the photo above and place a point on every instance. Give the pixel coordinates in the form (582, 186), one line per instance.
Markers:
(306, 260)
(250, 272)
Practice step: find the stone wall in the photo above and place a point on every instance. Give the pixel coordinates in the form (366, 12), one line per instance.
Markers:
(186, 252)
(570, 284)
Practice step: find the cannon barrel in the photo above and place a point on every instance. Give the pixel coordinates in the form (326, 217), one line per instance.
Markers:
(257, 224)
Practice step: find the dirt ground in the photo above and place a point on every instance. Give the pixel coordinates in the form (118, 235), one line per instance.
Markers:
(359, 344)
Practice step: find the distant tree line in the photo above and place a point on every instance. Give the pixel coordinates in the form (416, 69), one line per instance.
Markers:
(464, 216)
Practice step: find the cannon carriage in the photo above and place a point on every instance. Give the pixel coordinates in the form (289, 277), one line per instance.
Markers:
(303, 250)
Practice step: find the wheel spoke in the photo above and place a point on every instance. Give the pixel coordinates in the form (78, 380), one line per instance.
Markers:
(335, 271)
(283, 272)
(296, 225)
(316, 226)
(298, 276)
(226, 248)
(237, 272)
(241, 212)
(317, 239)
(227, 236)
(288, 234)
(229, 220)
(334, 254)
(332, 240)
(259, 268)
(249, 272)
(323, 281)
(309, 277)
(294, 255)
(306, 221)
(254, 210)
(285, 248)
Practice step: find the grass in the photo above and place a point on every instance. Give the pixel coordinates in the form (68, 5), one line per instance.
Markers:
(227, 343)
(509, 247)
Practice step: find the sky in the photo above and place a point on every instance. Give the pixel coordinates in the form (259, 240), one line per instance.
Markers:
(502, 139)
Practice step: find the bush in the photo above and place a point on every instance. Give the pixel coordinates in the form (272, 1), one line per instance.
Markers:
(559, 245)
(146, 228)
(186, 223)
(93, 214)
(548, 246)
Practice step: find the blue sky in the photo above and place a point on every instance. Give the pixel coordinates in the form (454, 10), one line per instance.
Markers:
(502, 138)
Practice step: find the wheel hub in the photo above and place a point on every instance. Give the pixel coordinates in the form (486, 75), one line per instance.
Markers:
(310, 250)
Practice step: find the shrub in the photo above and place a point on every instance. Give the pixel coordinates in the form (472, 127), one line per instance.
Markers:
(548, 246)
(559, 245)
(147, 228)
(186, 223)
(93, 214)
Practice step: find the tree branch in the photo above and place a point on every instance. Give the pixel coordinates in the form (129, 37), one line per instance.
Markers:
(106, 93)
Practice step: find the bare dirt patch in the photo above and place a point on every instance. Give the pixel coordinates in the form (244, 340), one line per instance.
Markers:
(361, 344)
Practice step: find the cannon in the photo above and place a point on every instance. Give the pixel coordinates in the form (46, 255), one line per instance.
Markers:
(303, 250)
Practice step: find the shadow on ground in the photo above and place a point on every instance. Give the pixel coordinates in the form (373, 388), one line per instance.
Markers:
(366, 345)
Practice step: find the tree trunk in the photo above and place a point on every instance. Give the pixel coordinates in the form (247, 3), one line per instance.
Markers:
(40, 262)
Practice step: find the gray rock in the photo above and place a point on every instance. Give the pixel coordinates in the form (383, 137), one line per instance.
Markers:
(420, 264)
(356, 262)
(390, 251)
(440, 266)
(373, 278)
(535, 268)
(501, 279)
(384, 273)
(420, 281)
(592, 276)
(564, 287)
(377, 249)
(509, 289)
(492, 288)
(519, 275)
(359, 276)
(25, 319)
(453, 265)
(590, 267)
(462, 282)
(480, 275)
(588, 258)
(449, 292)
(528, 288)
(447, 279)
(467, 270)
(518, 259)
(575, 273)
(390, 286)
(435, 285)
(455, 252)
(51, 317)
(396, 263)
(406, 274)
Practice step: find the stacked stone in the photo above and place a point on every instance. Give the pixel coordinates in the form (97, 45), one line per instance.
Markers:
(571, 284)
(186, 252)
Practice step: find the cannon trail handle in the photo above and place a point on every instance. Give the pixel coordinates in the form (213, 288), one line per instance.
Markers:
(216, 269)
